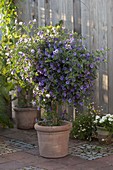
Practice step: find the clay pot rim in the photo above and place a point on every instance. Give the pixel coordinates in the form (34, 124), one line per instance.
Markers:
(24, 108)
(66, 126)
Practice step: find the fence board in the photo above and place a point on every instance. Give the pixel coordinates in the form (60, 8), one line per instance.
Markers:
(77, 16)
(47, 12)
(41, 12)
(110, 59)
(62, 11)
(102, 41)
(85, 21)
(94, 39)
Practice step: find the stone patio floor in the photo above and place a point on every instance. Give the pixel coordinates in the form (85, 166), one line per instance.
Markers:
(19, 151)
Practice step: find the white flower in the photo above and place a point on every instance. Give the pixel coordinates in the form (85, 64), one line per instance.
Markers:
(25, 40)
(33, 103)
(32, 51)
(103, 119)
(34, 20)
(48, 95)
(110, 119)
(7, 54)
(95, 121)
(97, 117)
(20, 23)
(108, 115)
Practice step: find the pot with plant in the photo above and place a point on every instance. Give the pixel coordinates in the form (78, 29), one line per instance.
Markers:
(104, 125)
(25, 112)
(60, 70)
(25, 109)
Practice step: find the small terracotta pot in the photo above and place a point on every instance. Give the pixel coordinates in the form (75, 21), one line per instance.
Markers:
(53, 140)
(25, 117)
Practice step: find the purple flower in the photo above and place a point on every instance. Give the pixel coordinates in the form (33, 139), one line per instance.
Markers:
(70, 69)
(81, 103)
(32, 51)
(55, 52)
(51, 65)
(91, 65)
(70, 100)
(62, 78)
(41, 83)
(19, 89)
(46, 53)
(67, 82)
(63, 61)
(64, 94)
(77, 96)
(75, 53)
(58, 71)
(81, 87)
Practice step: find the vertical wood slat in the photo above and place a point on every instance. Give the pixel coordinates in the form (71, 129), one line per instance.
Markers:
(110, 59)
(94, 41)
(77, 16)
(41, 12)
(47, 12)
(62, 11)
(57, 11)
(85, 21)
(23, 10)
(102, 42)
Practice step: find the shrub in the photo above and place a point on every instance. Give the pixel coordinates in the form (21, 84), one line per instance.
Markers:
(83, 127)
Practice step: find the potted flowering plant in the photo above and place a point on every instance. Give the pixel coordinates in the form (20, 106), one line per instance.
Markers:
(60, 69)
(104, 124)
(25, 109)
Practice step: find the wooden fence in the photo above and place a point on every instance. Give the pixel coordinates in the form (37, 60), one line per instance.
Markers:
(93, 19)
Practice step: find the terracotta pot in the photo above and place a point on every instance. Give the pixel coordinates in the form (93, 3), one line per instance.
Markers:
(25, 117)
(53, 140)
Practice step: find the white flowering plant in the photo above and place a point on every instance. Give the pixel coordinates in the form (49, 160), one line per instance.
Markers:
(105, 121)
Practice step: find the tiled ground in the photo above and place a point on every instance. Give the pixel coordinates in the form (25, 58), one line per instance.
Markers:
(31, 168)
(90, 151)
(86, 151)
(5, 149)
(19, 151)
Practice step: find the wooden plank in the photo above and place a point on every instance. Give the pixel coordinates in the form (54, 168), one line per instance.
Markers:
(68, 13)
(23, 9)
(41, 12)
(85, 21)
(102, 38)
(94, 41)
(47, 12)
(77, 16)
(36, 11)
(54, 12)
(110, 53)
(62, 11)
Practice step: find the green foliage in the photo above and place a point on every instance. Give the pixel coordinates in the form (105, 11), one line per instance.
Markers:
(83, 127)
(7, 23)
